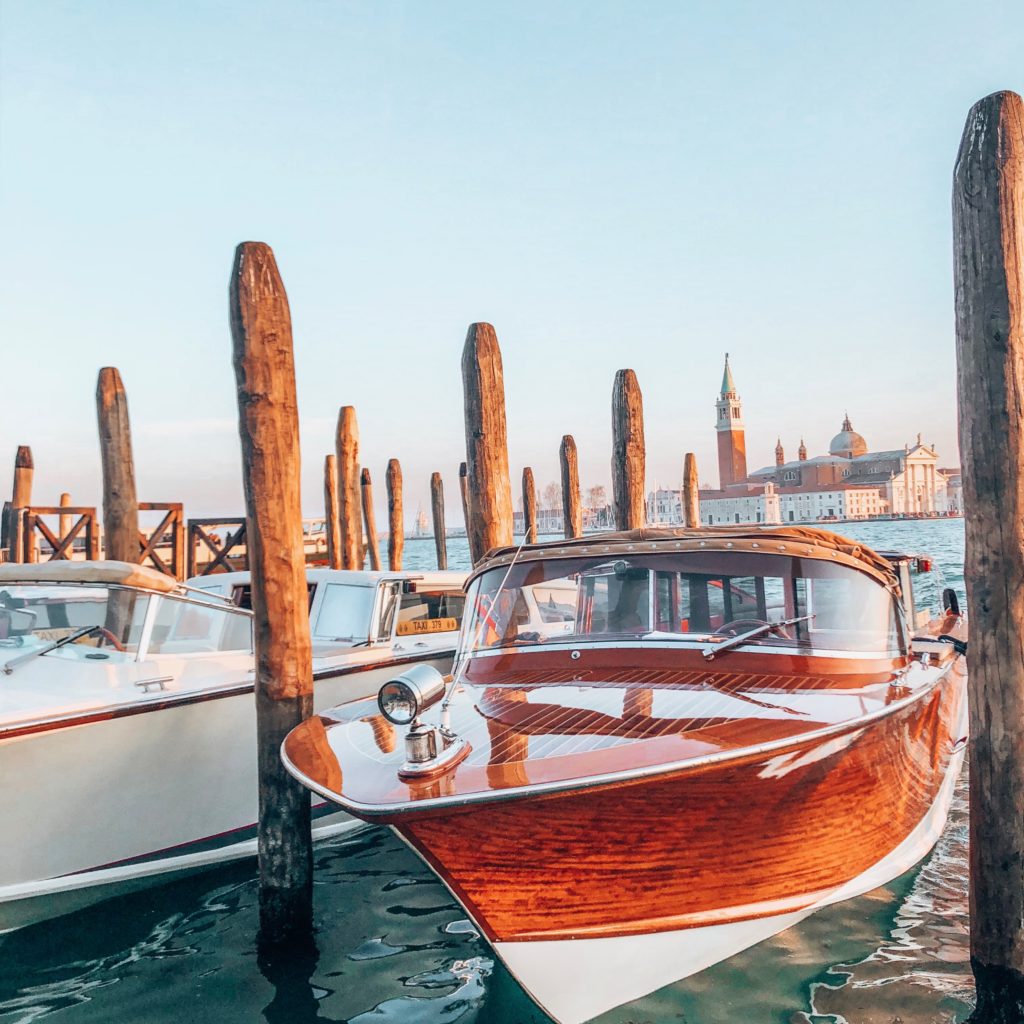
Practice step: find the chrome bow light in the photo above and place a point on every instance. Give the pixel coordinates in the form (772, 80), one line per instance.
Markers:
(402, 700)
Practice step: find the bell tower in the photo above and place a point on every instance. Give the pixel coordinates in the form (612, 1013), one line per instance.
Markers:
(732, 444)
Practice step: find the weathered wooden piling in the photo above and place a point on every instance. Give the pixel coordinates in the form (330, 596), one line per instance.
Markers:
(64, 524)
(490, 490)
(350, 514)
(464, 497)
(21, 499)
(572, 512)
(120, 503)
(269, 430)
(628, 452)
(332, 524)
(396, 519)
(369, 519)
(988, 240)
(529, 507)
(691, 492)
(437, 515)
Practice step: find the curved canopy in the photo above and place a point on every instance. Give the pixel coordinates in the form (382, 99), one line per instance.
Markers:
(804, 541)
(103, 573)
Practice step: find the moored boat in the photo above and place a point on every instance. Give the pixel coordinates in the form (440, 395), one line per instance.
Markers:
(661, 747)
(127, 720)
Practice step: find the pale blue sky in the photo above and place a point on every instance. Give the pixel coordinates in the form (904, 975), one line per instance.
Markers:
(610, 184)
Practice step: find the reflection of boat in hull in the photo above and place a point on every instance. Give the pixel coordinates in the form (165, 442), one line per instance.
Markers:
(636, 809)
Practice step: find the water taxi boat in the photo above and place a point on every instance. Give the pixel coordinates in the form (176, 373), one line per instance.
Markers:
(127, 721)
(660, 747)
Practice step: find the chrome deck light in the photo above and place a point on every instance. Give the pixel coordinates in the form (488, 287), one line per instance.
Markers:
(428, 748)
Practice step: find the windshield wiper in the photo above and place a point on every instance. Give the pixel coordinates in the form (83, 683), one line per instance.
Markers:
(741, 638)
(69, 639)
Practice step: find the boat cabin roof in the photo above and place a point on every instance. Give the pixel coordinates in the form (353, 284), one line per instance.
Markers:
(101, 573)
(353, 577)
(802, 541)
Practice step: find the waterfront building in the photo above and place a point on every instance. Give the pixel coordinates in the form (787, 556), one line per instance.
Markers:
(850, 482)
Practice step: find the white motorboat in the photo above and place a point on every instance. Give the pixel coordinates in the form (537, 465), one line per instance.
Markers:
(127, 722)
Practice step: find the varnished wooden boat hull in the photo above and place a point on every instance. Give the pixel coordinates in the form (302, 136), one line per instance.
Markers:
(719, 857)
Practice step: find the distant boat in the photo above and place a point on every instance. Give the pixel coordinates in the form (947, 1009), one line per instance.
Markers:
(661, 747)
(422, 525)
(127, 716)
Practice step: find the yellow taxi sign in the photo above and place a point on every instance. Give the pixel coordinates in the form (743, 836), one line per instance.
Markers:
(416, 627)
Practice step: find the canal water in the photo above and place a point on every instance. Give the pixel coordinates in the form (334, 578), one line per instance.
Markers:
(393, 946)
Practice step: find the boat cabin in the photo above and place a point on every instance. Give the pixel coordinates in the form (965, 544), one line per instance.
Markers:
(350, 608)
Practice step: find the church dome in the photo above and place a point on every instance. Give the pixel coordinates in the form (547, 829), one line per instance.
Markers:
(848, 443)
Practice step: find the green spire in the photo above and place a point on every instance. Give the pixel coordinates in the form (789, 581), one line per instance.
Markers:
(728, 384)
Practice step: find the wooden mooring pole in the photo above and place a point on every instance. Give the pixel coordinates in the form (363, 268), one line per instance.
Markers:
(572, 513)
(332, 524)
(437, 514)
(120, 503)
(396, 518)
(490, 490)
(464, 497)
(65, 521)
(268, 424)
(21, 498)
(529, 507)
(691, 492)
(628, 452)
(988, 240)
(350, 513)
(369, 519)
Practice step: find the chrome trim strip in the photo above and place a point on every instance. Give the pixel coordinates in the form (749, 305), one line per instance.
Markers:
(680, 645)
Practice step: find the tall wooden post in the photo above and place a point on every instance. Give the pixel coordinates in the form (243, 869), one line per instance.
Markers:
(988, 260)
(464, 496)
(120, 504)
(65, 521)
(572, 513)
(350, 513)
(332, 524)
(396, 519)
(369, 519)
(437, 514)
(21, 498)
(490, 490)
(691, 492)
(628, 452)
(268, 423)
(529, 507)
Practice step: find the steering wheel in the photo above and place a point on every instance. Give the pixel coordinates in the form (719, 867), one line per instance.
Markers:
(105, 634)
(738, 626)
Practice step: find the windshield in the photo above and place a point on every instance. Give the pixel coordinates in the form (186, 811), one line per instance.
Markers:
(690, 596)
(33, 614)
(344, 612)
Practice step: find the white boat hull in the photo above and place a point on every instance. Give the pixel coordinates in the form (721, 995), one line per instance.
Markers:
(137, 797)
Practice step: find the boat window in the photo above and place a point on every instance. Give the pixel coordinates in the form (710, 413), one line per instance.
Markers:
(424, 612)
(390, 596)
(685, 596)
(345, 611)
(187, 627)
(35, 614)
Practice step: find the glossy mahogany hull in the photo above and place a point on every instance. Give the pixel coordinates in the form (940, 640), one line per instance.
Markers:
(755, 837)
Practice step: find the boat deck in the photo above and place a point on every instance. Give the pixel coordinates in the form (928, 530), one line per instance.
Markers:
(553, 724)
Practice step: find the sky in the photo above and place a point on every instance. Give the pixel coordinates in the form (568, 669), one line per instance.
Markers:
(644, 185)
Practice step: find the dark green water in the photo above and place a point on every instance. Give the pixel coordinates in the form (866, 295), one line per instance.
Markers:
(395, 948)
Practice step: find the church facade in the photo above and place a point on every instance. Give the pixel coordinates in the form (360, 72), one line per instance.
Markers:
(850, 482)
